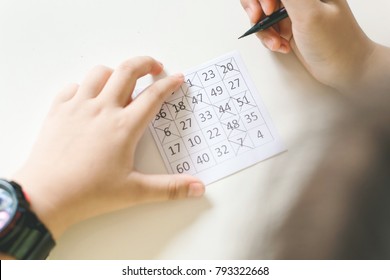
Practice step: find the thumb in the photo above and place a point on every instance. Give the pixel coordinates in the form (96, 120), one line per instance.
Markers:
(299, 9)
(168, 187)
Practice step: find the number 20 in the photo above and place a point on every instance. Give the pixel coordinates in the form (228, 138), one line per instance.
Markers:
(228, 67)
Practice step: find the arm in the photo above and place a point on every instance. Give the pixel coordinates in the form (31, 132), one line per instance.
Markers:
(82, 164)
(343, 204)
(328, 41)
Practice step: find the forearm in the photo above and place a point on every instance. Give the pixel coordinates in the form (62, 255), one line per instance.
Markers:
(378, 73)
(373, 77)
(369, 91)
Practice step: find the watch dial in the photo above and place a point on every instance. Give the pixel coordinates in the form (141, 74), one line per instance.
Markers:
(7, 206)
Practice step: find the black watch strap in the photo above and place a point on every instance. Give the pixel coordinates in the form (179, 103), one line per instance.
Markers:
(31, 239)
(32, 243)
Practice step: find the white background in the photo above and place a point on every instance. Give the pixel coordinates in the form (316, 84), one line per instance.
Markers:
(45, 44)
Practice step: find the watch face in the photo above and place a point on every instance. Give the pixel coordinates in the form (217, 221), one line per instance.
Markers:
(8, 204)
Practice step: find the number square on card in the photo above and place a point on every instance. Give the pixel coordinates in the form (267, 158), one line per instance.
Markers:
(241, 143)
(198, 100)
(228, 68)
(179, 107)
(209, 76)
(217, 92)
(184, 165)
(191, 83)
(203, 160)
(195, 142)
(225, 109)
(175, 150)
(235, 84)
(233, 126)
(214, 134)
(206, 117)
(222, 151)
(167, 132)
(251, 118)
(186, 125)
(260, 135)
(244, 101)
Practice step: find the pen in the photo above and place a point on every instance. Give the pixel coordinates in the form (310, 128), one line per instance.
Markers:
(267, 22)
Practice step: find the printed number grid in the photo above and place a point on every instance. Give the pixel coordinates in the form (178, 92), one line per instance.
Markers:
(212, 118)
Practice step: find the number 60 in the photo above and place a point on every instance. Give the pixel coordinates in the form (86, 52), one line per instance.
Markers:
(181, 167)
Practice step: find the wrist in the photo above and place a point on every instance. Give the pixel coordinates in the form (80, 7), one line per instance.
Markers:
(369, 73)
(40, 203)
(351, 71)
(23, 234)
(376, 73)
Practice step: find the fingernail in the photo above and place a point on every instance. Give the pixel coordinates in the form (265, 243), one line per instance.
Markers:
(249, 12)
(269, 42)
(283, 49)
(196, 190)
(179, 75)
(267, 10)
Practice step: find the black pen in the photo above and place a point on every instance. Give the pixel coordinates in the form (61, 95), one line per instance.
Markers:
(267, 22)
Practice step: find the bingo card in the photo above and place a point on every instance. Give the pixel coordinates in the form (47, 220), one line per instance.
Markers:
(216, 123)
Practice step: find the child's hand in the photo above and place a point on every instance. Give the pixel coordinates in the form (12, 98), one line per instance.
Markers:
(83, 162)
(323, 34)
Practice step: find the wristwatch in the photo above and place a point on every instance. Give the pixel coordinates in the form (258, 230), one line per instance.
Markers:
(22, 234)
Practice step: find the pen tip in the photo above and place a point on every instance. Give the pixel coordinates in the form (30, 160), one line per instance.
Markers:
(249, 32)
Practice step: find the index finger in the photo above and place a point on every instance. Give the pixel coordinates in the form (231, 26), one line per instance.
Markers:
(121, 83)
(145, 107)
(256, 8)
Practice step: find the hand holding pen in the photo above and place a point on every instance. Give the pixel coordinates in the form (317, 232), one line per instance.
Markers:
(275, 37)
(324, 35)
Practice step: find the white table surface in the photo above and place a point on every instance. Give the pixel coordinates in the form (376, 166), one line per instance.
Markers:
(45, 44)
